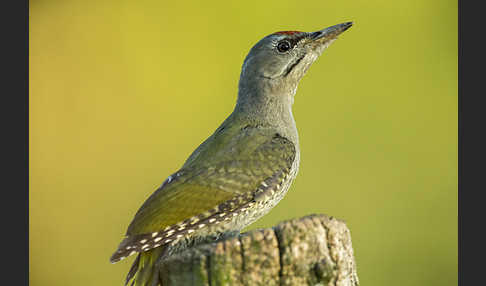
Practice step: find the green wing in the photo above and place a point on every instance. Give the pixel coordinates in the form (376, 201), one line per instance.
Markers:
(226, 166)
(183, 197)
(235, 164)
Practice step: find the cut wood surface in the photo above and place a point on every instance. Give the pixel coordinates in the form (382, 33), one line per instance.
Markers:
(312, 250)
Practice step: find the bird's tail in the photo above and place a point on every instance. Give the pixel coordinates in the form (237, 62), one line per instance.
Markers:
(144, 271)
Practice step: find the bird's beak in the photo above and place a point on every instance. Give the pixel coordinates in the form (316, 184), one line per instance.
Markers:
(330, 33)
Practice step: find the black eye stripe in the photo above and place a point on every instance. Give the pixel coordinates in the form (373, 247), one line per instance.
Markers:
(294, 41)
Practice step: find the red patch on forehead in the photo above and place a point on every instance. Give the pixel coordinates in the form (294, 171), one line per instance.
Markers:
(287, 32)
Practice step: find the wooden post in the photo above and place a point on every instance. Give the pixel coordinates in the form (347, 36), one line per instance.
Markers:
(312, 250)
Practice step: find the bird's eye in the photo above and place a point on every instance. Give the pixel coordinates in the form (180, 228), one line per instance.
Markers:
(283, 46)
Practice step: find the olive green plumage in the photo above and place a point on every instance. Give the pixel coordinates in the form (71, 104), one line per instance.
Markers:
(232, 163)
(241, 171)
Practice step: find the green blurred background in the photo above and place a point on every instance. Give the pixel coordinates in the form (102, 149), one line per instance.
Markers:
(121, 92)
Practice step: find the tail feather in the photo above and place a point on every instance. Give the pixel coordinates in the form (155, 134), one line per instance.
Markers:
(143, 271)
(133, 270)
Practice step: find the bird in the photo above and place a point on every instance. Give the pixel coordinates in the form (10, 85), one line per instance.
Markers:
(241, 171)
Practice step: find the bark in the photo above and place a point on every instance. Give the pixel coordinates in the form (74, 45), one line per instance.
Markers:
(312, 250)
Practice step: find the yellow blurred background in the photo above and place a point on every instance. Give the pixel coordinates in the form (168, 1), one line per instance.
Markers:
(121, 92)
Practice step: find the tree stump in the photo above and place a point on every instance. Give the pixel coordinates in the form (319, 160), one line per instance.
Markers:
(312, 250)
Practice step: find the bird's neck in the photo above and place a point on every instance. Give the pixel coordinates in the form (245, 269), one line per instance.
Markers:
(267, 103)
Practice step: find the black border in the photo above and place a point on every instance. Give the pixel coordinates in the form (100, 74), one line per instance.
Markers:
(14, 210)
(471, 135)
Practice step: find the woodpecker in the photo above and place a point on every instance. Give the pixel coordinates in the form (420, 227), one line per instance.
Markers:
(240, 172)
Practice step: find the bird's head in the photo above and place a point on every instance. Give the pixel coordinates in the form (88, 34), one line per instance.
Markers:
(284, 57)
(272, 70)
